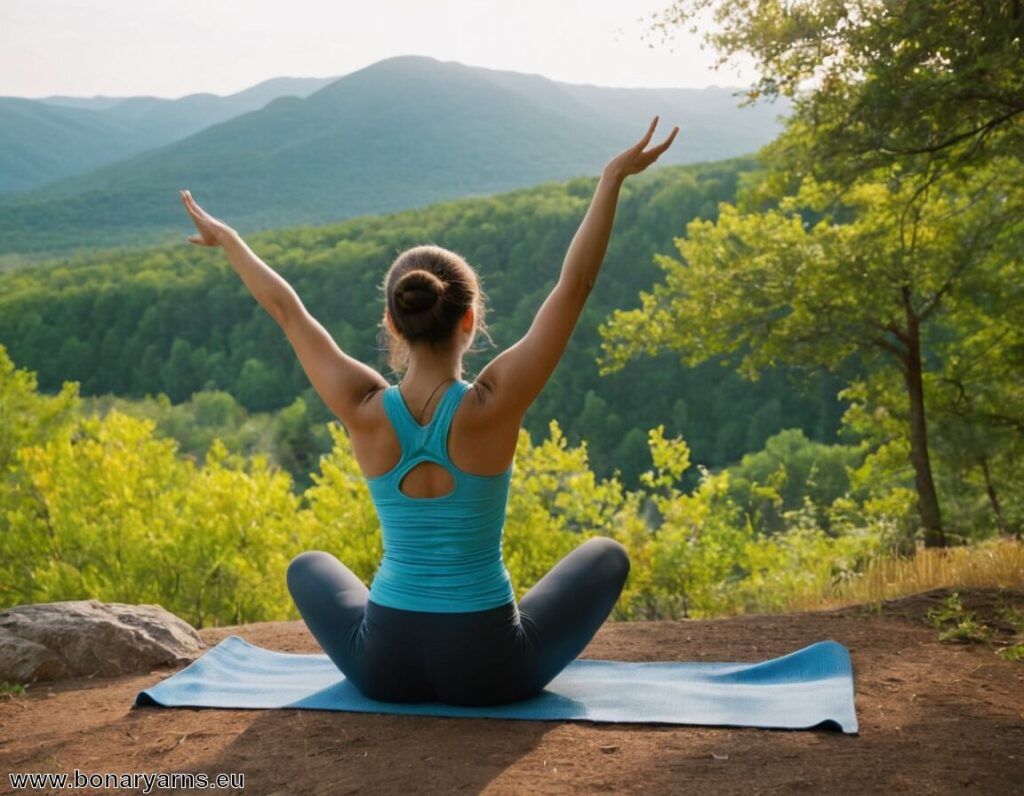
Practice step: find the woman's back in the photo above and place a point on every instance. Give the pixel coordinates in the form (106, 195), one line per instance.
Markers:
(481, 440)
(442, 552)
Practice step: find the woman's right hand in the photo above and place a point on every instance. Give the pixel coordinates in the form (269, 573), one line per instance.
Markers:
(634, 160)
(212, 231)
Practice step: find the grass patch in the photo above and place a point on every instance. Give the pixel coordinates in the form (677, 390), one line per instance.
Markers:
(995, 564)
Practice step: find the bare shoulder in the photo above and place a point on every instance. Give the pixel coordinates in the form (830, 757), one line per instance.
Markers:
(370, 413)
(374, 447)
(479, 405)
(486, 411)
(482, 439)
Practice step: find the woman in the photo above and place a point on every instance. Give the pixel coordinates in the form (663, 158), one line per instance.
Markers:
(440, 621)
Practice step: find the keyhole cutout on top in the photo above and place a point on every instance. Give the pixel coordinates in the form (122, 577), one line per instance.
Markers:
(427, 480)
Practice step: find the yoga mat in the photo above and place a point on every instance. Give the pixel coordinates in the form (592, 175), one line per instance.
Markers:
(807, 688)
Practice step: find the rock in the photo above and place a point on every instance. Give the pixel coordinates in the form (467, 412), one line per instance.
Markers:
(75, 638)
(21, 659)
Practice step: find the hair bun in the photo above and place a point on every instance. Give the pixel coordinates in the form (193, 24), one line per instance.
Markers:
(418, 290)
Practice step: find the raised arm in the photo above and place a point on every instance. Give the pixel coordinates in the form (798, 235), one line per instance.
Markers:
(516, 376)
(341, 380)
(267, 286)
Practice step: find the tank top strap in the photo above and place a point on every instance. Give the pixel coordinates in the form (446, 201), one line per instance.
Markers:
(405, 427)
(441, 422)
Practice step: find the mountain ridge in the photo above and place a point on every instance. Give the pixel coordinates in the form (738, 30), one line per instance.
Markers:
(402, 132)
(104, 129)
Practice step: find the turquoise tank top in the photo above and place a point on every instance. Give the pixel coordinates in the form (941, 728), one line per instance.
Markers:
(441, 554)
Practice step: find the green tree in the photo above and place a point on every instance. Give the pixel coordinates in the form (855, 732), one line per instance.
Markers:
(179, 373)
(924, 101)
(768, 287)
(790, 469)
(922, 84)
(27, 418)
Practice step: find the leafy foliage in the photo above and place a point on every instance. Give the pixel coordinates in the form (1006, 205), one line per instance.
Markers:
(965, 625)
(108, 508)
(958, 624)
(884, 230)
(877, 82)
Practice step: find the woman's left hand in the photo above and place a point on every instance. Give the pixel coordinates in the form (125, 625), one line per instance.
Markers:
(635, 159)
(211, 230)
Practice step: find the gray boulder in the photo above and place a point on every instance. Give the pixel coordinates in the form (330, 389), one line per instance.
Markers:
(50, 641)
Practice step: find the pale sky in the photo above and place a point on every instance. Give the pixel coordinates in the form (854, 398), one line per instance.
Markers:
(170, 48)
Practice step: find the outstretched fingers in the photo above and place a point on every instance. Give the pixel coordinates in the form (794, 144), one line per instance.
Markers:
(190, 203)
(198, 218)
(667, 142)
(195, 210)
(639, 147)
(656, 151)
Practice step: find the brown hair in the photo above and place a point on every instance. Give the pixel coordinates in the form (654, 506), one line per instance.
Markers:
(428, 290)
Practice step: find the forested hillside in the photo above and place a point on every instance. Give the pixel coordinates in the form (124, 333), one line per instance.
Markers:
(175, 319)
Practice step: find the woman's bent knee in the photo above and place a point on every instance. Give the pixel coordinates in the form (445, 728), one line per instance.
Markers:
(304, 558)
(299, 567)
(612, 553)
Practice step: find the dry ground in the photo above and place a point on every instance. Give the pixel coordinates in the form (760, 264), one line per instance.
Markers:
(935, 717)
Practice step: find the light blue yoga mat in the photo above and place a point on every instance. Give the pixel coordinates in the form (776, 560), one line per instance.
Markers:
(810, 687)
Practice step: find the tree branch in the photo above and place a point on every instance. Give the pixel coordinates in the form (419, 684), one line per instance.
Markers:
(956, 139)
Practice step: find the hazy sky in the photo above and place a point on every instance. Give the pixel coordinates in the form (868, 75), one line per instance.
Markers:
(169, 48)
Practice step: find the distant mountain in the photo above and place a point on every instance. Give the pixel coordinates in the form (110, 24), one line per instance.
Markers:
(98, 103)
(401, 133)
(45, 139)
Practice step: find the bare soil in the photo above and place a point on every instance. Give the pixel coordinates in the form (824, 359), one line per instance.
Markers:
(935, 717)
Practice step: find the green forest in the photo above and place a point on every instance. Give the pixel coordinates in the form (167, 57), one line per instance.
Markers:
(177, 321)
(795, 366)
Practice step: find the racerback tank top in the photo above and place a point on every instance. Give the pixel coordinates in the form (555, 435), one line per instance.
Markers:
(441, 554)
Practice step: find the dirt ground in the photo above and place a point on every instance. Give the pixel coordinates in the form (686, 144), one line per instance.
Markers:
(935, 717)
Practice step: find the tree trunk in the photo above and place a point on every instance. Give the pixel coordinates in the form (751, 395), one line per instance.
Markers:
(927, 498)
(994, 498)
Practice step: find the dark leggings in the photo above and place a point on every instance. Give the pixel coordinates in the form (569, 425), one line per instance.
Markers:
(488, 657)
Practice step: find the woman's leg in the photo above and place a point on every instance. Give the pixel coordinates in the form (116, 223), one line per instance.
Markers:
(383, 663)
(332, 602)
(565, 608)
